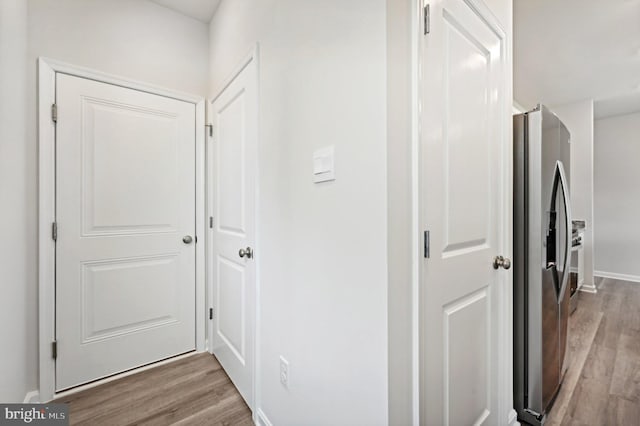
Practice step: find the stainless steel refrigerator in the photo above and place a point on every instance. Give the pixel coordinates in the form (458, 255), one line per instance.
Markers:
(542, 252)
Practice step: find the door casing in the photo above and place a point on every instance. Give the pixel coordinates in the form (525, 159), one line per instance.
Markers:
(47, 69)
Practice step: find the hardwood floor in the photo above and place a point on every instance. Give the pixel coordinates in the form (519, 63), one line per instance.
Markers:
(602, 385)
(191, 391)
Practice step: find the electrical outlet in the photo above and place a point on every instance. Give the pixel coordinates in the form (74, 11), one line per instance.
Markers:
(284, 372)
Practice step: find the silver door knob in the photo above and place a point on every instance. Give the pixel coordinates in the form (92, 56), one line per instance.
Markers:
(501, 262)
(248, 253)
(187, 239)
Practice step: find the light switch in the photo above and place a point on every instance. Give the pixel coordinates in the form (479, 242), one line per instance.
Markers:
(323, 165)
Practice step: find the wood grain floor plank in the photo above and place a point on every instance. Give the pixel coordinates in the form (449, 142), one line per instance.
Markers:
(630, 309)
(583, 326)
(625, 381)
(599, 363)
(233, 414)
(607, 391)
(151, 388)
(622, 412)
(609, 330)
(193, 390)
(588, 403)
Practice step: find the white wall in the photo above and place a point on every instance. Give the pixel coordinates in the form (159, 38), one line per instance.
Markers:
(399, 210)
(136, 39)
(518, 108)
(18, 368)
(578, 117)
(617, 196)
(323, 248)
(131, 38)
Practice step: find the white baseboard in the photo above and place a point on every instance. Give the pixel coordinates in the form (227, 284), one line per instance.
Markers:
(588, 288)
(513, 418)
(261, 419)
(615, 276)
(32, 397)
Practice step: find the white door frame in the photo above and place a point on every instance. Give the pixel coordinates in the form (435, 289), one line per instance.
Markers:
(47, 69)
(252, 56)
(506, 412)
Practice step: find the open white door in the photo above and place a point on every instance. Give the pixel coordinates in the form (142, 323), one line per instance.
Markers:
(231, 165)
(462, 198)
(125, 210)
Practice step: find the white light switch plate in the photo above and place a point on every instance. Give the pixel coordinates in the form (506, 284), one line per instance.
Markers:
(284, 372)
(324, 165)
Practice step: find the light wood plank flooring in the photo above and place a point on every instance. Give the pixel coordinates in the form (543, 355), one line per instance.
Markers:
(602, 385)
(190, 391)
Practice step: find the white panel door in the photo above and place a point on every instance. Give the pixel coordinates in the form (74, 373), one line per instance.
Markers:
(232, 172)
(125, 199)
(463, 136)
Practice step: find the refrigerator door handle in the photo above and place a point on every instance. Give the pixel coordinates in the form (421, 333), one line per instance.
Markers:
(567, 212)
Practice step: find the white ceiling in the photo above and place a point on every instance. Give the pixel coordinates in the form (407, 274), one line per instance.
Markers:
(571, 50)
(201, 10)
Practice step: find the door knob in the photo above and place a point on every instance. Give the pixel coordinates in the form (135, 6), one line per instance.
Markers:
(187, 239)
(248, 253)
(501, 262)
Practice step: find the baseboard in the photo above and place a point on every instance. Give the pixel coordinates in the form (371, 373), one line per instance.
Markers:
(513, 418)
(261, 419)
(588, 288)
(615, 276)
(32, 397)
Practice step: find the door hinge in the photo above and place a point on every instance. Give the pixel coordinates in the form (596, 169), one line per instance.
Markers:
(211, 222)
(54, 231)
(210, 313)
(54, 349)
(54, 113)
(210, 128)
(427, 245)
(426, 13)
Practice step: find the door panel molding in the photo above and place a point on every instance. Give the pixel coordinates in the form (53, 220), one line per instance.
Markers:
(47, 70)
(457, 359)
(92, 332)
